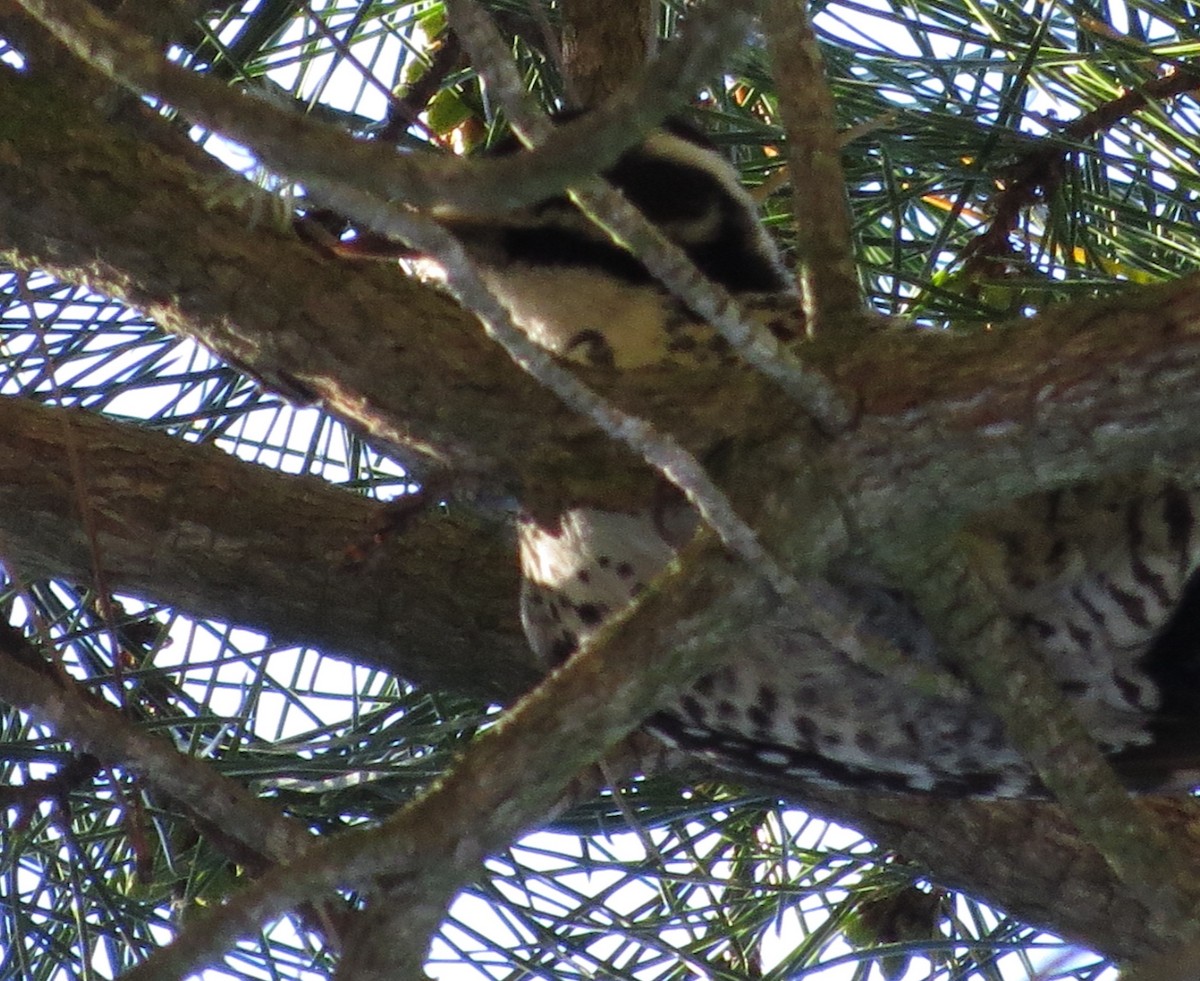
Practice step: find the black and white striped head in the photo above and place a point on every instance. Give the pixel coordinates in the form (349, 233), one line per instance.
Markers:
(682, 184)
(679, 180)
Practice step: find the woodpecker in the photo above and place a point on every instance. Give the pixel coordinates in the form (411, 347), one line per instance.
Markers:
(1098, 579)
(582, 296)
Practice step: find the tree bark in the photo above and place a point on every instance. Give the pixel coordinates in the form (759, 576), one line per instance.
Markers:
(953, 424)
(1025, 856)
(188, 525)
(604, 45)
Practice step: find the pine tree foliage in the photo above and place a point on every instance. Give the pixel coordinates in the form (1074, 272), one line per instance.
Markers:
(999, 159)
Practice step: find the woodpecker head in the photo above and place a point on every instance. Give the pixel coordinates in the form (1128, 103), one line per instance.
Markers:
(581, 295)
(681, 183)
(679, 180)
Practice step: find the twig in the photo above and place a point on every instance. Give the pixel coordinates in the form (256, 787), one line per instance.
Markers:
(1036, 176)
(75, 772)
(748, 339)
(829, 288)
(79, 487)
(405, 110)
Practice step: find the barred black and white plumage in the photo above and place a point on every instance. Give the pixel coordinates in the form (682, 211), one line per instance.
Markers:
(1099, 579)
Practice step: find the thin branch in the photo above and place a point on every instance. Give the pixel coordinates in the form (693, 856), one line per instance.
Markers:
(79, 483)
(404, 110)
(747, 338)
(95, 727)
(1036, 175)
(436, 843)
(493, 64)
(666, 261)
(829, 287)
(75, 772)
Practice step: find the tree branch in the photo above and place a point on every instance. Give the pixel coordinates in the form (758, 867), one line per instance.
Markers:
(436, 844)
(984, 645)
(280, 561)
(964, 423)
(604, 46)
(1037, 174)
(1024, 855)
(828, 274)
(309, 151)
(95, 727)
(945, 424)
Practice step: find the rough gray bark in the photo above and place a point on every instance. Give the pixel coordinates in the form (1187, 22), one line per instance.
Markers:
(956, 424)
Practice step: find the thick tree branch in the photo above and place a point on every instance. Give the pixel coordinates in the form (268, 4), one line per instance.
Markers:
(944, 423)
(602, 46)
(364, 339)
(1025, 855)
(292, 548)
(294, 559)
(828, 277)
